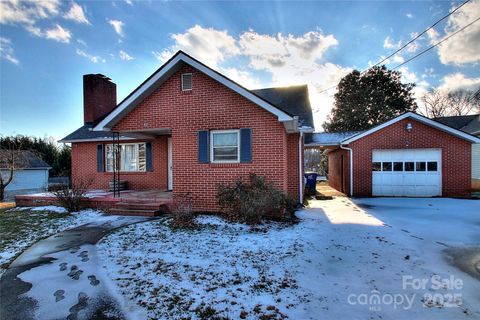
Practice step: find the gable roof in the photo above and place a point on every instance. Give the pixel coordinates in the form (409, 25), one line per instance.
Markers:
(24, 159)
(167, 70)
(293, 100)
(419, 118)
(469, 123)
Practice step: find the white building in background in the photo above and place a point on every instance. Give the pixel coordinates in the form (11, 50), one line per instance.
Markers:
(30, 177)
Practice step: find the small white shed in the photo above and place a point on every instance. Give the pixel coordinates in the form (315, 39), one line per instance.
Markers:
(30, 177)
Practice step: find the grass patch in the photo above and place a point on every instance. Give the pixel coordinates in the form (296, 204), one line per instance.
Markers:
(21, 228)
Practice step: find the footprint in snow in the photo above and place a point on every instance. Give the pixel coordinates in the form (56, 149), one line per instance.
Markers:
(63, 266)
(84, 256)
(75, 273)
(59, 295)
(80, 305)
(93, 280)
(74, 249)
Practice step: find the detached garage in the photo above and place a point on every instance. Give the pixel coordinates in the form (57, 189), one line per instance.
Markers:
(408, 156)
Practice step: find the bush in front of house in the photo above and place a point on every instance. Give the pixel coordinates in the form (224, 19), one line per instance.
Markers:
(182, 212)
(71, 198)
(254, 200)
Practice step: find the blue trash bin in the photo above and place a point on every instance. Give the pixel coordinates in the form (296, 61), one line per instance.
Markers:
(311, 182)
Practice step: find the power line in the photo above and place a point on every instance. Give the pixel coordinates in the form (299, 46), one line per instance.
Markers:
(421, 34)
(412, 40)
(436, 44)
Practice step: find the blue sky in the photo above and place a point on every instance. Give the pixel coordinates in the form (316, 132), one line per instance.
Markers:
(46, 47)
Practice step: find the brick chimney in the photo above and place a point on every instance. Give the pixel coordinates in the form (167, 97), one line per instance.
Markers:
(99, 97)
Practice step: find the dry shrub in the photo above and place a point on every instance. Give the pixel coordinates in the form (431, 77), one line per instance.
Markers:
(182, 212)
(254, 200)
(71, 198)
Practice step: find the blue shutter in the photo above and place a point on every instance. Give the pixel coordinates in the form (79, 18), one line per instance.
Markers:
(148, 156)
(100, 167)
(245, 145)
(203, 146)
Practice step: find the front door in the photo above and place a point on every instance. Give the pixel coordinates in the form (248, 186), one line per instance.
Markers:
(170, 180)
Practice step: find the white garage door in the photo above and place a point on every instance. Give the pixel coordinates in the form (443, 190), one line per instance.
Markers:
(407, 173)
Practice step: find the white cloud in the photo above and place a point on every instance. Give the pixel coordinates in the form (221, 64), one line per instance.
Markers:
(407, 75)
(464, 47)
(6, 51)
(124, 56)
(92, 58)
(456, 81)
(129, 2)
(398, 58)
(388, 43)
(244, 78)
(209, 45)
(76, 14)
(409, 15)
(83, 43)
(288, 59)
(58, 33)
(117, 26)
(27, 12)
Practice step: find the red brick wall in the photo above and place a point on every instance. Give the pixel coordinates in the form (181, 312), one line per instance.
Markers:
(456, 160)
(292, 166)
(84, 166)
(209, 106)
(338, 178)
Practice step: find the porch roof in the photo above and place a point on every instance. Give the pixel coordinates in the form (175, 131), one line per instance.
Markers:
(329, 139)
(86, 134)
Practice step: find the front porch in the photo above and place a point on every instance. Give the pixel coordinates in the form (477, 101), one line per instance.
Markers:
(130, 202)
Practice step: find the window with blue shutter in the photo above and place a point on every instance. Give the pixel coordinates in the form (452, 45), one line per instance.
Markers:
(246, 145)
(100, 158)
(203, 146)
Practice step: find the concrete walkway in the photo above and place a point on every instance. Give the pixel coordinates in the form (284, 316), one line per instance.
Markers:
(59, 277)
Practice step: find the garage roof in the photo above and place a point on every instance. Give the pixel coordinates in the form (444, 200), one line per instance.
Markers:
(337, 138)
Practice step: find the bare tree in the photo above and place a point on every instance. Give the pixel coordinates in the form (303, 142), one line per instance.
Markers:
(464, 102)
(437, 103)
(12, 158)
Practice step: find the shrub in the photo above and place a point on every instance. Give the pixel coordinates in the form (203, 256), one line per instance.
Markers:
(252, 201)
(71, 198)
(182, 212)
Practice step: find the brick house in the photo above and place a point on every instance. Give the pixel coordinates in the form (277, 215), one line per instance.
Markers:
(188, 128)
(410, 156)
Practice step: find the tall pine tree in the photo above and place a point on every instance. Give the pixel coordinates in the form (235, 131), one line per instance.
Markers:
(366, 99)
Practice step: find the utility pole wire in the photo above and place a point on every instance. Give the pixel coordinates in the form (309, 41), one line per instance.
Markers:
(421, 34)
(411, 41)
(436, 44)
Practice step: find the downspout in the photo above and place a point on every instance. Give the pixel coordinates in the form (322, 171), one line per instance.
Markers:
(351, 167)
(300, 167)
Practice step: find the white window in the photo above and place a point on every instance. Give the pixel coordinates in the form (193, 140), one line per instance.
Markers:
(225, 146)
(132, 157)
(187, 82)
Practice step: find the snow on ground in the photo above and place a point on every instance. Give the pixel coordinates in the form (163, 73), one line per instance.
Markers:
(34, 226)
(339, 261)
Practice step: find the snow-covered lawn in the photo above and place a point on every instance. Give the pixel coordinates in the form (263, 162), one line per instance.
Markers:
(22, 227)
(334, 264)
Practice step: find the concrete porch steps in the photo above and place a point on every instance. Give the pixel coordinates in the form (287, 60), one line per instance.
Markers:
(140, 207)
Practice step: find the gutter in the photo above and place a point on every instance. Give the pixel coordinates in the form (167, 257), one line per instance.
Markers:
(351, 168)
